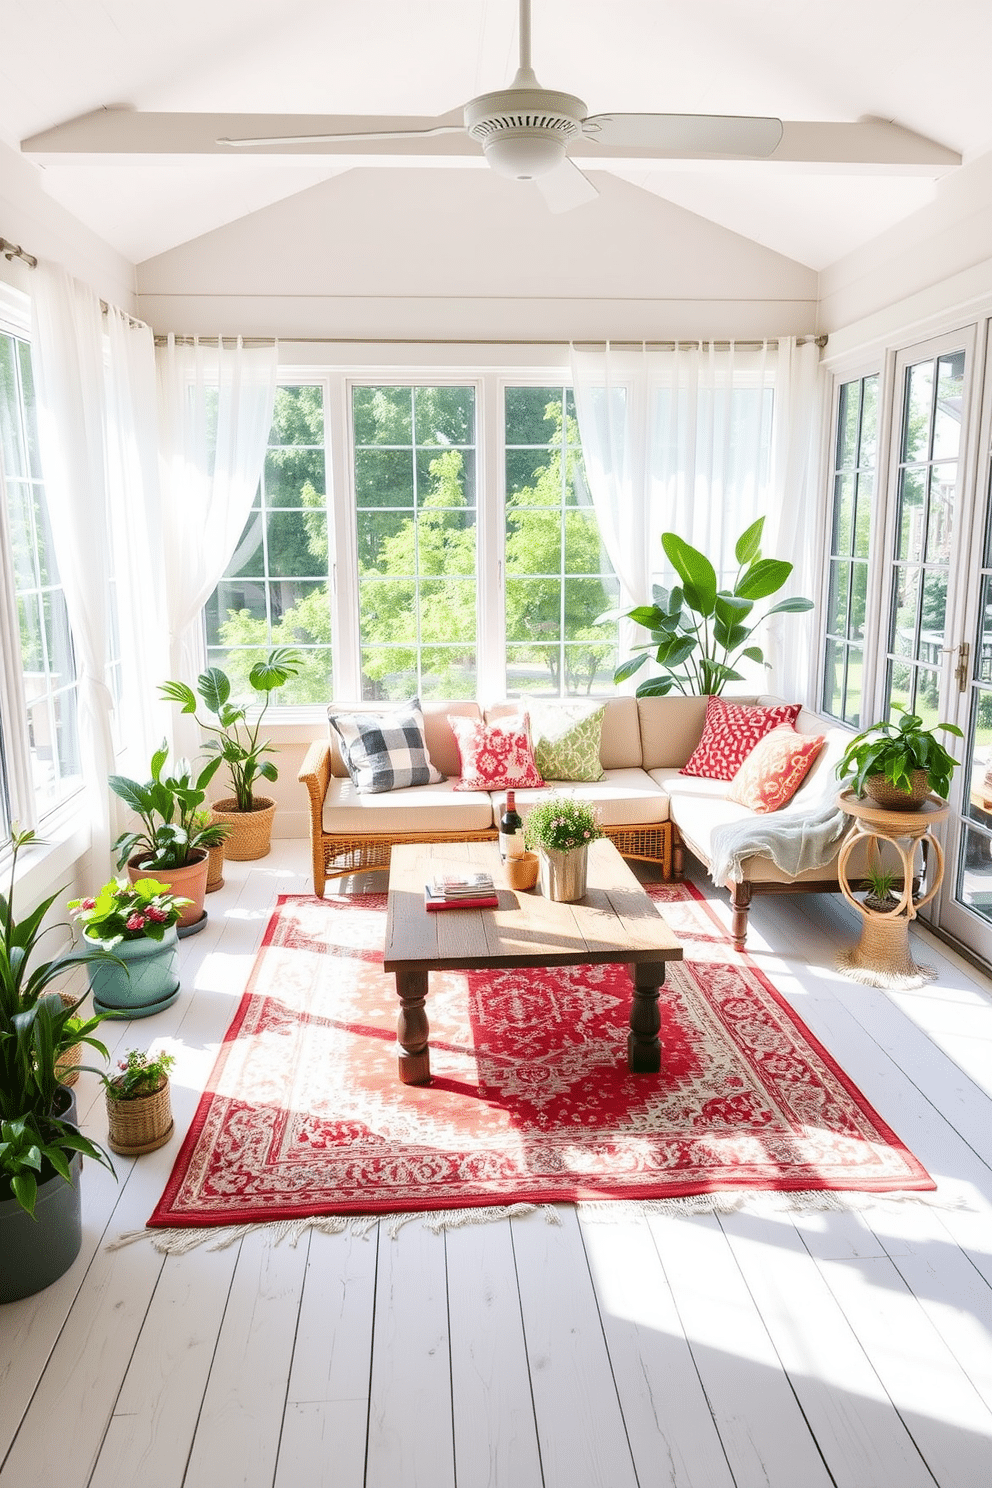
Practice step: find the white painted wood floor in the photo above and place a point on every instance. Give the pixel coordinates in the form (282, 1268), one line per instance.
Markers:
(793, 1351)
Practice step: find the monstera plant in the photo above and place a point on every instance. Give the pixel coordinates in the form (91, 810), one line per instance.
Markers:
(698, 631)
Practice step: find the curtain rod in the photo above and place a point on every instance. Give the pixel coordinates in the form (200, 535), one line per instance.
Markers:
(14, 250)
(162, 340)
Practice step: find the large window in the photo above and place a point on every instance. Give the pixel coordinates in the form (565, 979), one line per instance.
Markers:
(405, 577)
(48, 687)
(275, 590)
(558, 577)
(853, 487)
(416, 527)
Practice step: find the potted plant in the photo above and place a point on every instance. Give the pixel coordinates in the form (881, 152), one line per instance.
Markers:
(134, 924)
(139, 1107)
(698, 632)
(236, 743)
(898, 764)
(173, 840)
(561, 828)
(215, 852)
(40, 1147)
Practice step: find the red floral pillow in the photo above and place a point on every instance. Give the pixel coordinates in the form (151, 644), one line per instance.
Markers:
(730, 733)
(775, 769)
(494, 755)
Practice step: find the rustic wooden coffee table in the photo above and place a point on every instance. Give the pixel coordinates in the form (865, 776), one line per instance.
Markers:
(616, 921)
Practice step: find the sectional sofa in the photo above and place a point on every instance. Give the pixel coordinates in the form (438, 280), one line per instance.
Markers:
(649, 808)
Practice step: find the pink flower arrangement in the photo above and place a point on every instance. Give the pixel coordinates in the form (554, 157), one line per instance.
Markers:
(126, 911)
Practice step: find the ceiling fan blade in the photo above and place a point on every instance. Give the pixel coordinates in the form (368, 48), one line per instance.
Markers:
(330, 139)
(565, 187)
(683, 136)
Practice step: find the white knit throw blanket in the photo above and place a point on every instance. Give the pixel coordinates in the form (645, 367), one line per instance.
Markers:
(794, 840)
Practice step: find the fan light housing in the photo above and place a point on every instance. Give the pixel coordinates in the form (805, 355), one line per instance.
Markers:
(524, 132)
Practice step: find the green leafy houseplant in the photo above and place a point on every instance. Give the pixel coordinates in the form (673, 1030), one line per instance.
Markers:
(699, 631)
(138, 1073)
(167, 806)
(124, 911)
(560, 824)
(895, 750)
(36, 1026)
(236, 742)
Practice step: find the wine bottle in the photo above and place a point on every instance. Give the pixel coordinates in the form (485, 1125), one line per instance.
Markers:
(511, 829)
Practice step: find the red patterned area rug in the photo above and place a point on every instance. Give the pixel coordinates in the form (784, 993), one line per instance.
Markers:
(304, 1113)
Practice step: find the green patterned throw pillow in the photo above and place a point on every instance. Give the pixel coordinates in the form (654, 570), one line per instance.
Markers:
(566, 737)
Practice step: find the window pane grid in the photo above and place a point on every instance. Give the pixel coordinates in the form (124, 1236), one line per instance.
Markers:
(853, 485)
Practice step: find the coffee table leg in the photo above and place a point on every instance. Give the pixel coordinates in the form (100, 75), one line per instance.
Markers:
(643, 1043)
(412, 1028)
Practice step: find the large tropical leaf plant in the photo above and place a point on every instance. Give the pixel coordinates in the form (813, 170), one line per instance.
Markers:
(235, 739)
(698, 631)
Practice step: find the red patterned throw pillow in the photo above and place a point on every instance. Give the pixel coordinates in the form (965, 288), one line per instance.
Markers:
(730, 733)
(494, 755)
(775, 769)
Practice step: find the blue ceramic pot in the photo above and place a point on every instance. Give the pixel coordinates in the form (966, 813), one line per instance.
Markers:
(145, 984)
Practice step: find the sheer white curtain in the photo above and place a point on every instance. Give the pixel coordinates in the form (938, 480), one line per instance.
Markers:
(794, 527)
(135, 507)
(215, 412)
(697, 439)
(68, 362)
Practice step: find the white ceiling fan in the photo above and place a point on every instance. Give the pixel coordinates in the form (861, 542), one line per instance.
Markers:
(525, 131)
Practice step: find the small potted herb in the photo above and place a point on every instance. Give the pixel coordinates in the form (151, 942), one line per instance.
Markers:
(561, 828)
(139, 1107)
(898, 764)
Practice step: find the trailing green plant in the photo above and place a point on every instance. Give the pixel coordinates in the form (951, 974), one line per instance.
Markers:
(167, 806)
(699, 631)
(139, 1073)
(235, 740)
(559, 824)
(894, 750)
(124, 911)
(36, 1026)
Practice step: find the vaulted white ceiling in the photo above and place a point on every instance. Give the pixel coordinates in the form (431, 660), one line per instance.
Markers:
(919, 65)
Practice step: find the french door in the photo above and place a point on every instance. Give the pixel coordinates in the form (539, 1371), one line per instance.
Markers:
(934, 630)
(964, 908)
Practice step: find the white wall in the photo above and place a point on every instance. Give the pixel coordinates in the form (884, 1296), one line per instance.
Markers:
(29, 217)
(934, 265)
(449, 255)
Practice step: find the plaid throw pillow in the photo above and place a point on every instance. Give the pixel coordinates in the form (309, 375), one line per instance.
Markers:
(384, 751)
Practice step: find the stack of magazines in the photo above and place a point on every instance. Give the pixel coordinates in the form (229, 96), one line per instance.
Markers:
(450, 889)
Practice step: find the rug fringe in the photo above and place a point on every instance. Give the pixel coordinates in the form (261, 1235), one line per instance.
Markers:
(182, 1241)
(362, 1226)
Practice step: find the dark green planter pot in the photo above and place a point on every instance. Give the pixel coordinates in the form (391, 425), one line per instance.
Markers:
(36, 1252)
(149, 984)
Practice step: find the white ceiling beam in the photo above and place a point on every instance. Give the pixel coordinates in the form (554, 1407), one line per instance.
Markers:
(867, 145)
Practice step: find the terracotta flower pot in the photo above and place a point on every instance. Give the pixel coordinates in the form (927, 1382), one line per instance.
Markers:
(189, 881)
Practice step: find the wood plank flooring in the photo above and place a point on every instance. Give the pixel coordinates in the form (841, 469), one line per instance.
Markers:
(787, 1350)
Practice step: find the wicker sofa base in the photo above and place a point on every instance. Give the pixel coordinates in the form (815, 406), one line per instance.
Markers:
(344, 855)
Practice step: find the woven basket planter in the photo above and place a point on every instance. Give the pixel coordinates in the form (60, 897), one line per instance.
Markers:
(890, 798)
(215, 868)
(141, 1124)
(70, 1056)
(251, 831)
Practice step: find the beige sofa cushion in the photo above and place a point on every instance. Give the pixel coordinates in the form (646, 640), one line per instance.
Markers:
(431, 809)
(624, 798)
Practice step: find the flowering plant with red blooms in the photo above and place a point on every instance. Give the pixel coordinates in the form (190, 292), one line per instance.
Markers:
(128, 911)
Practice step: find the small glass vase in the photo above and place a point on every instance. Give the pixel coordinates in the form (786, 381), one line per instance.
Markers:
(563, 874)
